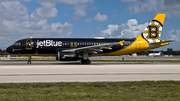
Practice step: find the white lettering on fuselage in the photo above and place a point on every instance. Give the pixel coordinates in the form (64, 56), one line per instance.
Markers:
(48, 43)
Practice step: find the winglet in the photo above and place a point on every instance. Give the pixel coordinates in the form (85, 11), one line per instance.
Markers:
(121, 43)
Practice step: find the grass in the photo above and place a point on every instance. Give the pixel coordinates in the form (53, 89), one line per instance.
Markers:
(109, 91)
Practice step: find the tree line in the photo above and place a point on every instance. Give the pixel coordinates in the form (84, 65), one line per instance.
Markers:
(3, 52)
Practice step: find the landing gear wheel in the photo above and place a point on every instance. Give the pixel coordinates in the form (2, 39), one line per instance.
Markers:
(88, 61)
(85, 61)
(29, 62)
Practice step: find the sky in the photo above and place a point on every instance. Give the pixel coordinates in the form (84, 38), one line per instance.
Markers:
(86, 19)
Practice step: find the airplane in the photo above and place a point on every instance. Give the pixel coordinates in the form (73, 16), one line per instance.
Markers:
(72, 49)
(155, 54)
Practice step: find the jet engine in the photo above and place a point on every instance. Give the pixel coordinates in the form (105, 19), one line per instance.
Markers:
(67, 56)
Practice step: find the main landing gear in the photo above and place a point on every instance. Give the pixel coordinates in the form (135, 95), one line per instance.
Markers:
(29, 61)
(83, 61)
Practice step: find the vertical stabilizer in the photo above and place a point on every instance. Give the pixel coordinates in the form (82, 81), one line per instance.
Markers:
(152, 33)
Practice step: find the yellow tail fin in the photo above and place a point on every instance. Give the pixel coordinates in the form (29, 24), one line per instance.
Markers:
(153, 31)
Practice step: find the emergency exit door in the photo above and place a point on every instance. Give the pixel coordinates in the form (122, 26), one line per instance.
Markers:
(73, 44)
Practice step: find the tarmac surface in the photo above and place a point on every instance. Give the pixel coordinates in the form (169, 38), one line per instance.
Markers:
(55, 71)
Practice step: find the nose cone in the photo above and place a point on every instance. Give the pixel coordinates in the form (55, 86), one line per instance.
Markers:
(9, 49)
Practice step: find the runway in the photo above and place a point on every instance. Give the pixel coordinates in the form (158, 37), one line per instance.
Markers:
(55, 71)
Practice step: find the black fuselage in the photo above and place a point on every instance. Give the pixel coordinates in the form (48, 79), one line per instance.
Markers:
(53, 45)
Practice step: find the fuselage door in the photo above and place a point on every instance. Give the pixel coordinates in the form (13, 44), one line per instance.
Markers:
(29, 44)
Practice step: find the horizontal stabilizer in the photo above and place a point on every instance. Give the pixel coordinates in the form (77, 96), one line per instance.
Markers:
(152, 44)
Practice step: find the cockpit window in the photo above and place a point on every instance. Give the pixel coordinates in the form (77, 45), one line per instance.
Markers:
(17, 44)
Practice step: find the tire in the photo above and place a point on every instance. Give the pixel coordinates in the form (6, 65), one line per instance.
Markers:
(29, 62)
(88, 61)
(82, 61)
(85, 61)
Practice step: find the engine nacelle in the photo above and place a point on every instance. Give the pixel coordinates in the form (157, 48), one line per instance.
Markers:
(67, 56)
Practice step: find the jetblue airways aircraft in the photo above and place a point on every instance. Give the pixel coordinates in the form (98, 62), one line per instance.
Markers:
(72, 49)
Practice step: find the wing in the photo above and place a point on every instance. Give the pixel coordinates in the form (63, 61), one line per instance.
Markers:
(92, 49)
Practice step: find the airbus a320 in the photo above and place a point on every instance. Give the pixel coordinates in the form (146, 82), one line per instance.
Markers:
(72, 49)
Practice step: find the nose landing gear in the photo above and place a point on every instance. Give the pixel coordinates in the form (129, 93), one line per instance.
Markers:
(29, 61)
